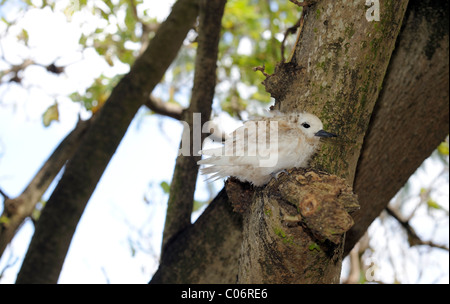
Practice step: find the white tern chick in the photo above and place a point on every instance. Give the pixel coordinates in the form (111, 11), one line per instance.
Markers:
(265, 146)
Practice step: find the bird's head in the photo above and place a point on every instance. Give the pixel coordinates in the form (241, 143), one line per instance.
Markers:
(312, 126)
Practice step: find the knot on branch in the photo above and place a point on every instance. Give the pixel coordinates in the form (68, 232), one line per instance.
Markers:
(279, 82)
(240, 194)
(322, 202)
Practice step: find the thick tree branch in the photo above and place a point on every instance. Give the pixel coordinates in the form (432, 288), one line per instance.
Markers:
(207, 251)
(341, 87)
(58, 221)
(182, 188)
(410, 118)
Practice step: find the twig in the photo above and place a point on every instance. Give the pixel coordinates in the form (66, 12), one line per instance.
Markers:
(5, 196)
(288, 32)
(164, 108)
(292, 29)
(304, 3)
(413, 238)
(262, 69)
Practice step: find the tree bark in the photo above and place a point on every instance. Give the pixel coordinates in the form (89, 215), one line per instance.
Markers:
(58, 221)
(411, 116)
(204, 252)
(294, 230)
(426, 13)
(336, 73)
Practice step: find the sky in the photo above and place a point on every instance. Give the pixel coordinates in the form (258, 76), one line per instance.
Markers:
(128, 201)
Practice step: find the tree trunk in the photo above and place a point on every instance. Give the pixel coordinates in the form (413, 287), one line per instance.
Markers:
(294, 230)
(428, 23)
(336, 73)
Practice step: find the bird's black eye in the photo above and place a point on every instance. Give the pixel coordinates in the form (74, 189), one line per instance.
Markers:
(306, 125)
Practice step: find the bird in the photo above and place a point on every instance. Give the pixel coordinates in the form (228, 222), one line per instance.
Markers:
(263, 147)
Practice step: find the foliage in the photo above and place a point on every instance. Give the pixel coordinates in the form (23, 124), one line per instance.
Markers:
(252, 35)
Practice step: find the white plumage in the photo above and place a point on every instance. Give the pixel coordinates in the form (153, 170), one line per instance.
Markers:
(265, 146)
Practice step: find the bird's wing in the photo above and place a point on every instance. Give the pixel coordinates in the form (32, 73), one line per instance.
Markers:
(242, 146)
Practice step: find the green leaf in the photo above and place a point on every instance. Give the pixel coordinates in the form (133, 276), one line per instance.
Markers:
(165, 186)
(23, 36)
(432, 204)
(4, 220)
(51, 114)
(198, 205)
(443, 148)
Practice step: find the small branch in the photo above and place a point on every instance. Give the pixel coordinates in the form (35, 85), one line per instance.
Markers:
(262, 69)
(292, 29)
(164, 108)
(299, 32)
(134, 10)
(16, 68)
(355, 267)
(304, 3)
(5, 196)
(413, 238)
(288, 32)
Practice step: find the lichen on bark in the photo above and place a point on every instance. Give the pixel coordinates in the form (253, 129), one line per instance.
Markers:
(295, 228)
(336, 72)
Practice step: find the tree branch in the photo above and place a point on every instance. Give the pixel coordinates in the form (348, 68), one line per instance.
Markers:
(5, 196)
(410, 118)
(164, 108)
(182, 188)
(207, 251)
(59, 219)
(413, 238)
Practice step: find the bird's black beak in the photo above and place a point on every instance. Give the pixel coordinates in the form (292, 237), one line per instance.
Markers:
(325, 134)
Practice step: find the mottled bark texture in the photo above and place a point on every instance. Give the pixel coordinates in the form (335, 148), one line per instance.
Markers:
(336, 73)
(294, 229)
(411, 116)
(59, 219)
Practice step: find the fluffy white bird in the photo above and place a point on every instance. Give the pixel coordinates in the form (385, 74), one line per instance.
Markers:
(263, 147)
